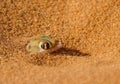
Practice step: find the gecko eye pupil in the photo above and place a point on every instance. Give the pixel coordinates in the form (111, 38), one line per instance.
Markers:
(45, 46)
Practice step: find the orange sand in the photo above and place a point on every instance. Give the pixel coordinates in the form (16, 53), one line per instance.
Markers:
(89, 30)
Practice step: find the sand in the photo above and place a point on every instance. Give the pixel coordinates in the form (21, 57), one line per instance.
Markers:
(88, 29)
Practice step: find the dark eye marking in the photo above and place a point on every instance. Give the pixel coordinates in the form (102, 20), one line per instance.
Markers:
(45, 45)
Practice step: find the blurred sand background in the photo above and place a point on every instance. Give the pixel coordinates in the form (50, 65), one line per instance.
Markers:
(89, 30)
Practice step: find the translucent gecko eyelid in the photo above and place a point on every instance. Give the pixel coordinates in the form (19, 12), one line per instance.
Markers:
(42, 44)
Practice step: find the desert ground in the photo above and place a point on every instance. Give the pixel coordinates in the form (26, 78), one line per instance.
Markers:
(88, 29)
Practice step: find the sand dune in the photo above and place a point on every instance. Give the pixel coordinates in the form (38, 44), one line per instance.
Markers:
(89, 31)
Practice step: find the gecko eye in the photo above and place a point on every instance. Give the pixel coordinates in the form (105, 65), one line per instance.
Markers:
(45, 45)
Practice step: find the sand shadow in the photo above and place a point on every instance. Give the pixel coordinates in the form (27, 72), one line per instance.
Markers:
(70, 52)
(56, 58)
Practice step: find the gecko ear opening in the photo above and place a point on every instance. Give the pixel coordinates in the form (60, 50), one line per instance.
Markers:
(28, 47)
